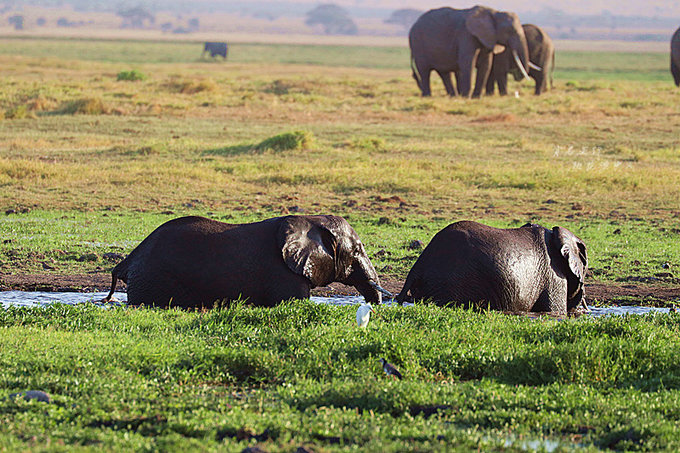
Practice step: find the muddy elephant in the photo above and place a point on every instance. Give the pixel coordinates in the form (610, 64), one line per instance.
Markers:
(215, 49)
(541, 63)
(192, 262)
(675, 57)
(450, 40)
(518, 269)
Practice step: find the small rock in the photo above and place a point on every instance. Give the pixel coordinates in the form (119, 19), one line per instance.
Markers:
(167, 212)
(32, 395)
(416, 245)
(88, 257)
(666, 266)
(617, 231)
(47, 267)
(550, 201)
(112, 256)
(384, 221)
(7, 241)
(254, 449)
(295, 209)
(576, 207)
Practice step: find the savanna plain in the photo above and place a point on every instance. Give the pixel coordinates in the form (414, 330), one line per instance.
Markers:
(102, 141)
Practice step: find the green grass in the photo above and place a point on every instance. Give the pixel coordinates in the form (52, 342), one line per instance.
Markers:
(305, 374)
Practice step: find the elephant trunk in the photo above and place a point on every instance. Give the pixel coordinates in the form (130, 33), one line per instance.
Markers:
(365, 279)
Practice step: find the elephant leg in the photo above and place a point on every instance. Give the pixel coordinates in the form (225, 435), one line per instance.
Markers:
(675, 70)
(541, 83)
(484, 61)
(425, 82)
(490, 84)
(446, 78)
(502, 84)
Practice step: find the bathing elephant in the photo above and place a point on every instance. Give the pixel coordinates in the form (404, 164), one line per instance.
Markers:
(450, 40)
(193, 262)
(675, 57)
(215, 48)
(541, 63)
(519, 269)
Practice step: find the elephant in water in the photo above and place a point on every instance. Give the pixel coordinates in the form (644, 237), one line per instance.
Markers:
(215, 48)
(541, 63)
(194, 261)
(675, 57)
(450, 40)
(519, 269)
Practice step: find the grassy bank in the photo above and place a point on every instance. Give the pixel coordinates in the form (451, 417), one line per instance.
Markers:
(71, 242)
(304, 374)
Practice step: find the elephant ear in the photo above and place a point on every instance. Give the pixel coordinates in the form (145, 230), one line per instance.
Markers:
(480, 23)
(573, 250)
(308, 249)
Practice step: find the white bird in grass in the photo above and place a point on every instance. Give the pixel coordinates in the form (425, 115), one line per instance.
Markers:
(364, 314)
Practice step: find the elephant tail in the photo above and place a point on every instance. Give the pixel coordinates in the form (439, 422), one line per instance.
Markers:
(117, 273)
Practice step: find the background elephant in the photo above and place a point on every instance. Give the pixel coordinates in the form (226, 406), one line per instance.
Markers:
(450, 40)
(675, 57)
(195, 261)
(215, 48)
(541, 63)
(520, 269)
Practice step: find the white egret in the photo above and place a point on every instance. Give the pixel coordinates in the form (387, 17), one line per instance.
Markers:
(364, 314)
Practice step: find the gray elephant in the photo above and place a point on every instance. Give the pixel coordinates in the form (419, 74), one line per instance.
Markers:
(541, 63)
(519, 269)
(194, 261)
(675, 57)
(450, 40)
(215, 49)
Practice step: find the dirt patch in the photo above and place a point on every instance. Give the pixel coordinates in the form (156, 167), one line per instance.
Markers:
(499, 118)
(600, 293)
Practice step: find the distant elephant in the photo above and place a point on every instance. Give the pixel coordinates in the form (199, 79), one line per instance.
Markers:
(519, 269)
(215, 48)
(675, 57)
(541, 63)
(193, 262)
(450, 40)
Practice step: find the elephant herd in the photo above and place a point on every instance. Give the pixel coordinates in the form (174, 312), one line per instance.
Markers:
(193, 262)
(495, 43)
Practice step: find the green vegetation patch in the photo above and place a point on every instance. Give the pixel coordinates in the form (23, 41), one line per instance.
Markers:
(296, 140)
(131, 76)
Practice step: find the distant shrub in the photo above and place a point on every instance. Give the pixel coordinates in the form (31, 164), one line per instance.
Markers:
(192, 86)
(19, 112)
(87, 106)
(131, 76)
(287, 141)
(368, 143)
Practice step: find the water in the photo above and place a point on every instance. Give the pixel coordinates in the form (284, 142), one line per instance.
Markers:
(41, 299)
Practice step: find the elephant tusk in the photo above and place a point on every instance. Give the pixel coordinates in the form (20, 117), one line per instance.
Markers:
(535, 67)
(379, 288)
(520, 65)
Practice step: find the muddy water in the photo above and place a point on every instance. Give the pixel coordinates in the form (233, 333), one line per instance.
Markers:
(38, 299)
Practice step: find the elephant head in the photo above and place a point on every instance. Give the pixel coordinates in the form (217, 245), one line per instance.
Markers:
(573, 251)
(498, 29)
(324, 249)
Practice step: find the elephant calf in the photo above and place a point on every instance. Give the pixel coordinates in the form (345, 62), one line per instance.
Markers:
(194, 261)
(519, 269)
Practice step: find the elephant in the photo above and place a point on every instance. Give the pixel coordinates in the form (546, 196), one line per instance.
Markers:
(541, 63)
(675, 57)
(191, 262)
(458, 40)
(530, 268)
(215, 48)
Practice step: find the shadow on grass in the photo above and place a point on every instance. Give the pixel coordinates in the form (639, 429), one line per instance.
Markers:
(235, 150)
